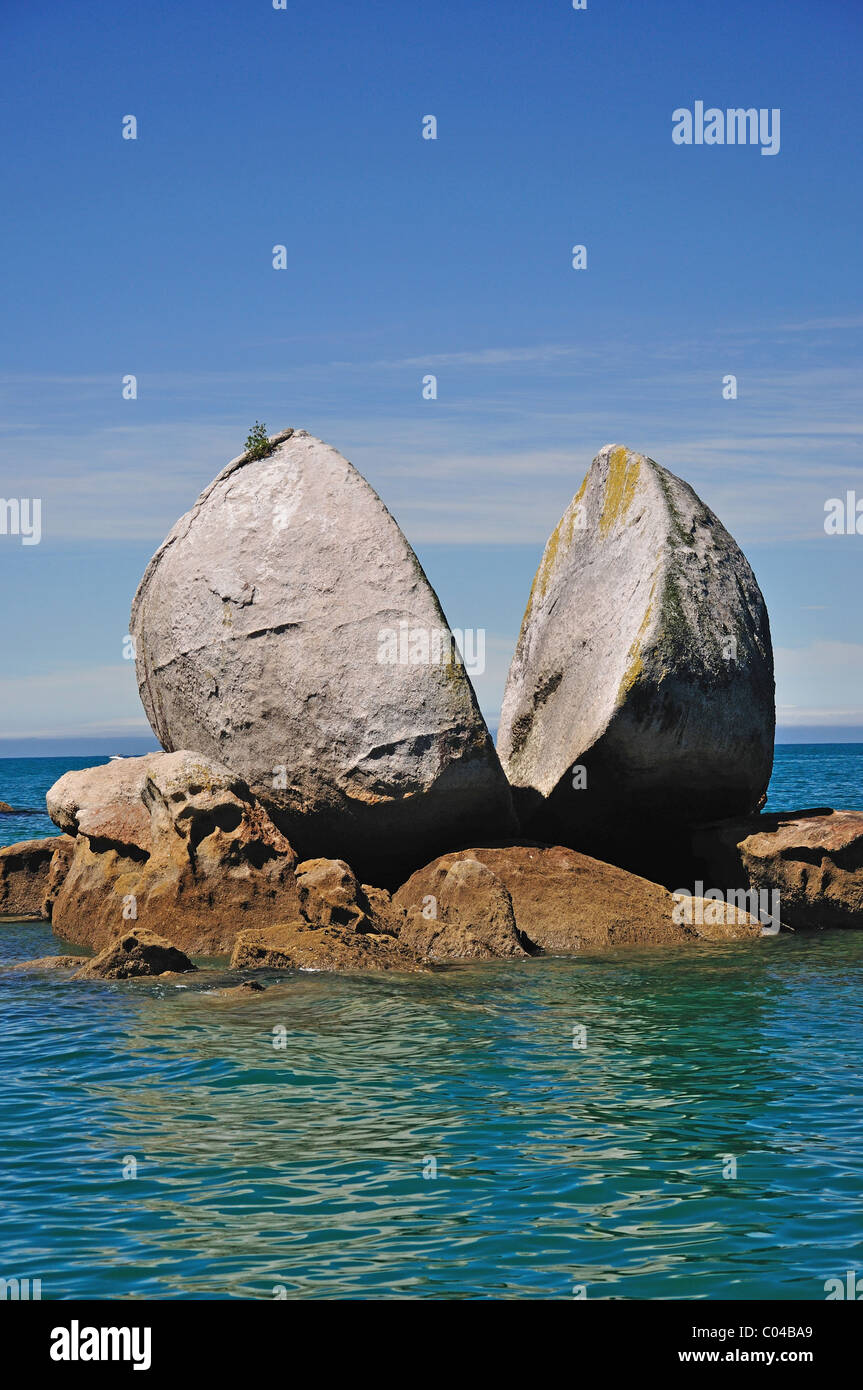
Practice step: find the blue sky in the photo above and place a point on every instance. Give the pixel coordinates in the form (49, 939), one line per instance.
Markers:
(302, 127)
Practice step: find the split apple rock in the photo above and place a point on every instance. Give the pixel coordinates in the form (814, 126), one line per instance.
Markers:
(641, 692)
(261, 636)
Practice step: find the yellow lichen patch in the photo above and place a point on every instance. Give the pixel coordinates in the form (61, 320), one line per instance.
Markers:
(619, 488)
(635, 665)
(633, 671)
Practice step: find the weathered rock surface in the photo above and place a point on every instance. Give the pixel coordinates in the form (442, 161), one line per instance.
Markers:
(645, 659)
(812, 858)
(345, 925)
(564, 901)
(331, 895)
(261, 624)
(49, 963)
(174, 842)
(136, 952)
(28, 873)
(105, 801)
(298, 946)
(465, 913)
(61, 862)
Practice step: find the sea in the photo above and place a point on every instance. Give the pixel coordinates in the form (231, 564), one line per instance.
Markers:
(645, 1124)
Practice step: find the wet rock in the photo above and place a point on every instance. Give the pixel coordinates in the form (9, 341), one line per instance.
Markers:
(298, 946)
(245, 990)
(640, 697)
(136, 953)
(28, 874)
(812, 858)
(564, 901)
(286, 628)
(463, 913)
(50, 963)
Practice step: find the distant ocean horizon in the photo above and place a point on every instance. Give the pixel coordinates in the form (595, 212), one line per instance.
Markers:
(133, 745)
(804, 775)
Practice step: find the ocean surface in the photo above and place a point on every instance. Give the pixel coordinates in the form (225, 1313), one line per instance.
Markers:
(441, 1136)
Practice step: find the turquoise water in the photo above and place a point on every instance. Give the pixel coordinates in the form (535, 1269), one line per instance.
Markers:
(301, 1169)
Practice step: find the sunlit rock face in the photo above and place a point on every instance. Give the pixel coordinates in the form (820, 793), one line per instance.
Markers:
(261, 628)
(173, 843)
(641, 694)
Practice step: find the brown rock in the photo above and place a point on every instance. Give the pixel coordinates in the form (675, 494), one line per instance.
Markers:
(26, 872)
(331, 895)
(466, 914)
(298, 946)
(174, 842)
(50, 963)
(61, 862)
(564, 901)
(387, 916)
(137, 952)
(104, 799)
(812, 858)
(6, 809)
(242, 991)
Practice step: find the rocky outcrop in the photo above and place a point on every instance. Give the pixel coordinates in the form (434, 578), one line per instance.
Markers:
(331, 895)
(105, 802)
(49, 963)
(174, 842)
(563, 901)
(641, 692)
(345, 925)
(286, 628)
(813, 859)
(29, 872)
(135, 953)
(464, 913)
(298, 946)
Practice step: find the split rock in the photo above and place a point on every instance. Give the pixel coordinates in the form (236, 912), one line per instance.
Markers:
(641, 693)
(265, 628)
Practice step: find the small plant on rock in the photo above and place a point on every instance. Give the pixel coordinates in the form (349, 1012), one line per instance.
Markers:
(258, 443)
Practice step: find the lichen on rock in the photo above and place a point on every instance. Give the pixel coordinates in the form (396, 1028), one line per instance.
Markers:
(645, 659)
